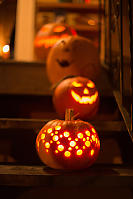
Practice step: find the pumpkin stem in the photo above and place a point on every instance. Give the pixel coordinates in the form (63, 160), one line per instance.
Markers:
(69, 114)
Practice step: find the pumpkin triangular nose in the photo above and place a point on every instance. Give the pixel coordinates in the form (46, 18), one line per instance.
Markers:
(86, 91)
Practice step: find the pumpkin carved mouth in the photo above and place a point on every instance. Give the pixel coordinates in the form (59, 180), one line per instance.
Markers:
(63, 63)
(84, 99)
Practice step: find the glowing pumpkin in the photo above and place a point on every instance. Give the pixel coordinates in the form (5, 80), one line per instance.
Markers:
(78, 93)
(69, 144)
(73, 56)
(48, 35)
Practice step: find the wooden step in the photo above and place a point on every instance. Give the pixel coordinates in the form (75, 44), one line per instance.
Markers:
(34, 176)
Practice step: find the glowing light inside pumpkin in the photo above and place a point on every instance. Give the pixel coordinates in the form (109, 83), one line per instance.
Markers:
(79, 152)
(49, 130)
(87, 133)
(57, 128)
(56, 151)
(49, 41)
(80, 135)
(90, 84)
(93, 137)
(92, 152)
(87, 143)
(55, 137)
(59, 29)
(42, 136)
(67, 153)
(86, 91)
(66, 134)
(60, 147)
(72, 143)
(84, 99)
(76, 84)
(47, 145)
(93, 130)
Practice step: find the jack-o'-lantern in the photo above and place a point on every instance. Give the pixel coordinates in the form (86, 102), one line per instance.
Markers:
(78, 93)
(73, 56)
(48, 35)
(69, 144)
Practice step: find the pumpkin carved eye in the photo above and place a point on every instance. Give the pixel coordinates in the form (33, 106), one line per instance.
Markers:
(90, 84)
(76, 84)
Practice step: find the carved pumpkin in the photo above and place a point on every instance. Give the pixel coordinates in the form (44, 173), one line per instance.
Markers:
(48, 35)
(69, 144)
(78, 93)
(73, 56)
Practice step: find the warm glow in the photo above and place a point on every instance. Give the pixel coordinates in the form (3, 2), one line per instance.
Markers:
(70, 148)
(93, 137)
(69, 138)
(52, 134)
(67, 154)
(84, 99)
(47, 150)
(57, 128)
(56, 132)
(86, 91)
(76, 139)
(6, 48)
(60, 147)
(66, 134)
(49, 130)
(72, 143)
(93, 130)
(61, 136)
(76, 147)
(76, 84)
(58, 142)
(49, 41)
(51, 141)
(42, 136)
(88, 138)
(55, 137)
(90, 84)
(84, 139)
(59, 29)
(91, 22)
(79, 152)
(87, 143)
(80, 135)
(83, 147)
(92, 152)
(56, 151)
(47, 145)
(87, 133)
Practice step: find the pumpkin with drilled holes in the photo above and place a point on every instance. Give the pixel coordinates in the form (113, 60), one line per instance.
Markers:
(69, 144)
(78, 93)
(48, 35)
(73, 56)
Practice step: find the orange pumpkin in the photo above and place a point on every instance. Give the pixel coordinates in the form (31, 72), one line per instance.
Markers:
(73, 56)
(69, 144)
(48, 35)
(78, 93)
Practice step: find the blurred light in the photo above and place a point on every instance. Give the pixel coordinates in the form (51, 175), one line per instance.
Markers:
(6, 48)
